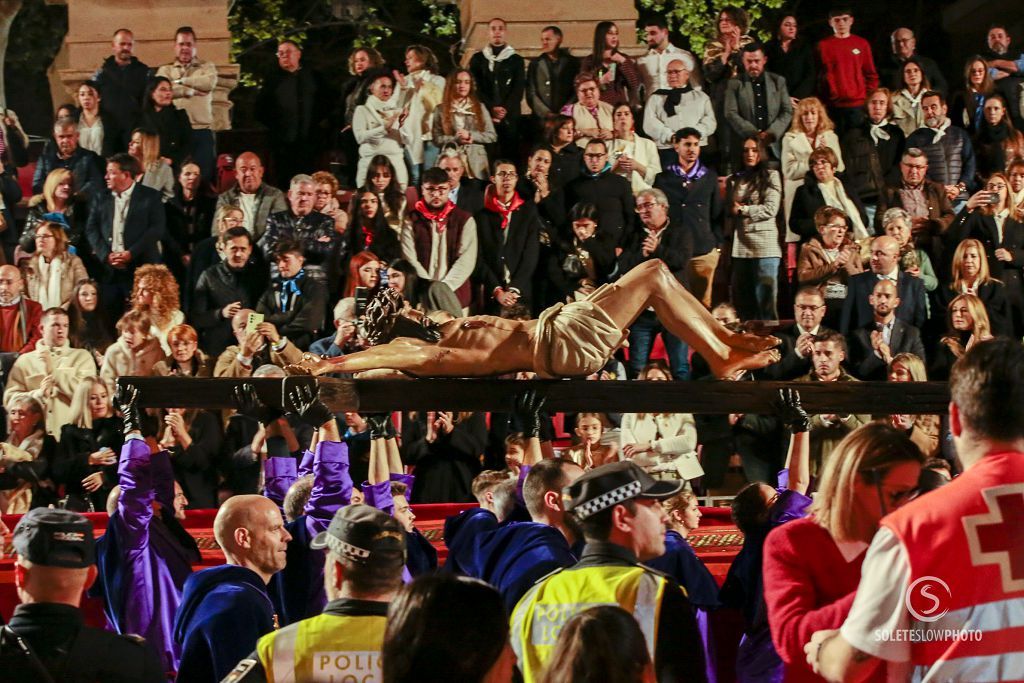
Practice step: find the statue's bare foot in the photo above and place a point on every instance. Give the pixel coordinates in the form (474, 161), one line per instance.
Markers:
(739, 361)
(311, 364)
(755, 343)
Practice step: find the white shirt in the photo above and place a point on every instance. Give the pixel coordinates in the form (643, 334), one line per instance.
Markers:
(999, 218)
(122, 202)
(248, 204)
(890, 276)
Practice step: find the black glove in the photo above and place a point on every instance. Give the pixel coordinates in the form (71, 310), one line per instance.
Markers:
(127, 399)
(304, 401)
(528, 406)
(789, 410)
(380, 426)
(250, 405)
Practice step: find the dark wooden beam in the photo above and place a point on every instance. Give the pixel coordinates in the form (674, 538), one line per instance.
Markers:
(876, 398)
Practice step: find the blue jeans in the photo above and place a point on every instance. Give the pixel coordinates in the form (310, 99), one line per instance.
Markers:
(641, 341)
(755, 287)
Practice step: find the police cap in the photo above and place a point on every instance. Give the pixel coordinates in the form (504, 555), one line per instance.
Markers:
(363, 534)
(55, 538)
(611, 484)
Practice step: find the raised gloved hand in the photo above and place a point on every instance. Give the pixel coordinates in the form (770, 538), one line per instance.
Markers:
(250, 405)
(304, 401)
(528, 407)
(380, 425)
(127, 399)
(789, 410)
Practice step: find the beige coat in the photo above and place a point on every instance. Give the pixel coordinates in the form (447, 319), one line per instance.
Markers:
(72, 272)
(192, 88)
(229, 366)
(119, 360)
(68, 367)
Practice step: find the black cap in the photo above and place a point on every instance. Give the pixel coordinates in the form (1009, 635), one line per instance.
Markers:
(55, 538)
(362, 533)
(611, 484)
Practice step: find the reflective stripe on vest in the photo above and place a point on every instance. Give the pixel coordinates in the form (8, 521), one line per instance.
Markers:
(327, 647)
(543, 611)
(967, 546)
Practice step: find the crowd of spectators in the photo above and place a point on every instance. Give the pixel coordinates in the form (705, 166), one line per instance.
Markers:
(868, 211)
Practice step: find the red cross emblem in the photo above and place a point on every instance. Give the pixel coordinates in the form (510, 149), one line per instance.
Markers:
(997, 536)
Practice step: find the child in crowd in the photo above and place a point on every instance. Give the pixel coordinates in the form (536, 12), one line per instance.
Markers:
(591, 452)
(135, 352)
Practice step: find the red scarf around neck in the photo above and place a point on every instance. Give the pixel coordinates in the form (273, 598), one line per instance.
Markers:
(493, 204)
(440, 219)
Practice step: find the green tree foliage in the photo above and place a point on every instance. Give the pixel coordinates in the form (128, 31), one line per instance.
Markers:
(698, 19)
(334, 26)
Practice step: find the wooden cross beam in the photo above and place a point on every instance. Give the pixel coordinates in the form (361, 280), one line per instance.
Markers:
(497, 395)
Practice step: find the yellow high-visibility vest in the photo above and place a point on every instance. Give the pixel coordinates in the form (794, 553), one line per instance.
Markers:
(543, 611)
(327, 647)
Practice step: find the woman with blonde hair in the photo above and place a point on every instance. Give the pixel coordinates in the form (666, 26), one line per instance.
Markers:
(58, 196)
(86, 460)
(462, 121)
(811, 129)
(970, 274)
(664, 444)
(156, 292)
(871, 472)
(144, 145)
(923, 430)
(988, 218)
(52, 272)
(968, 324)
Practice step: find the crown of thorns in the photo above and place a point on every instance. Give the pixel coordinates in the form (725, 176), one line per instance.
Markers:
(381, 314)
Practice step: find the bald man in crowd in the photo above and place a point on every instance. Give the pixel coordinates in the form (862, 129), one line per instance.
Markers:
(19, 317)
(224, 610)
(256, 198)
(885, 265)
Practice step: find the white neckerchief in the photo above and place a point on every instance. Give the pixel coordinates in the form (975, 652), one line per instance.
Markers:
(941, 130)
(835, 196)
(915, 102)
(878, 132)
(49, 287)
(488, 53)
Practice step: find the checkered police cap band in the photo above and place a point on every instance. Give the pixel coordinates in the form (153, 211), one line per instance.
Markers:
(347, 550)
(607, 500)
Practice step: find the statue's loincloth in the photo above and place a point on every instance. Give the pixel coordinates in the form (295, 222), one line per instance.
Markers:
(575, 339)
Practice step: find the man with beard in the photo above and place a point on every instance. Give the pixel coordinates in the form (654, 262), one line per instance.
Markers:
(1007, 69)
(226, 288)
(122, 79)
(145, 556)
(19, 317)
(947, 147)
(439, 240)
(885, 337)
(618, 509)
(826, 366)
(660, 52)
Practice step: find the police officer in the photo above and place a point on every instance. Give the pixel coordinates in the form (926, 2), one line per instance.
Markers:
(47, 639)
(617, 507)
(362, 574)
